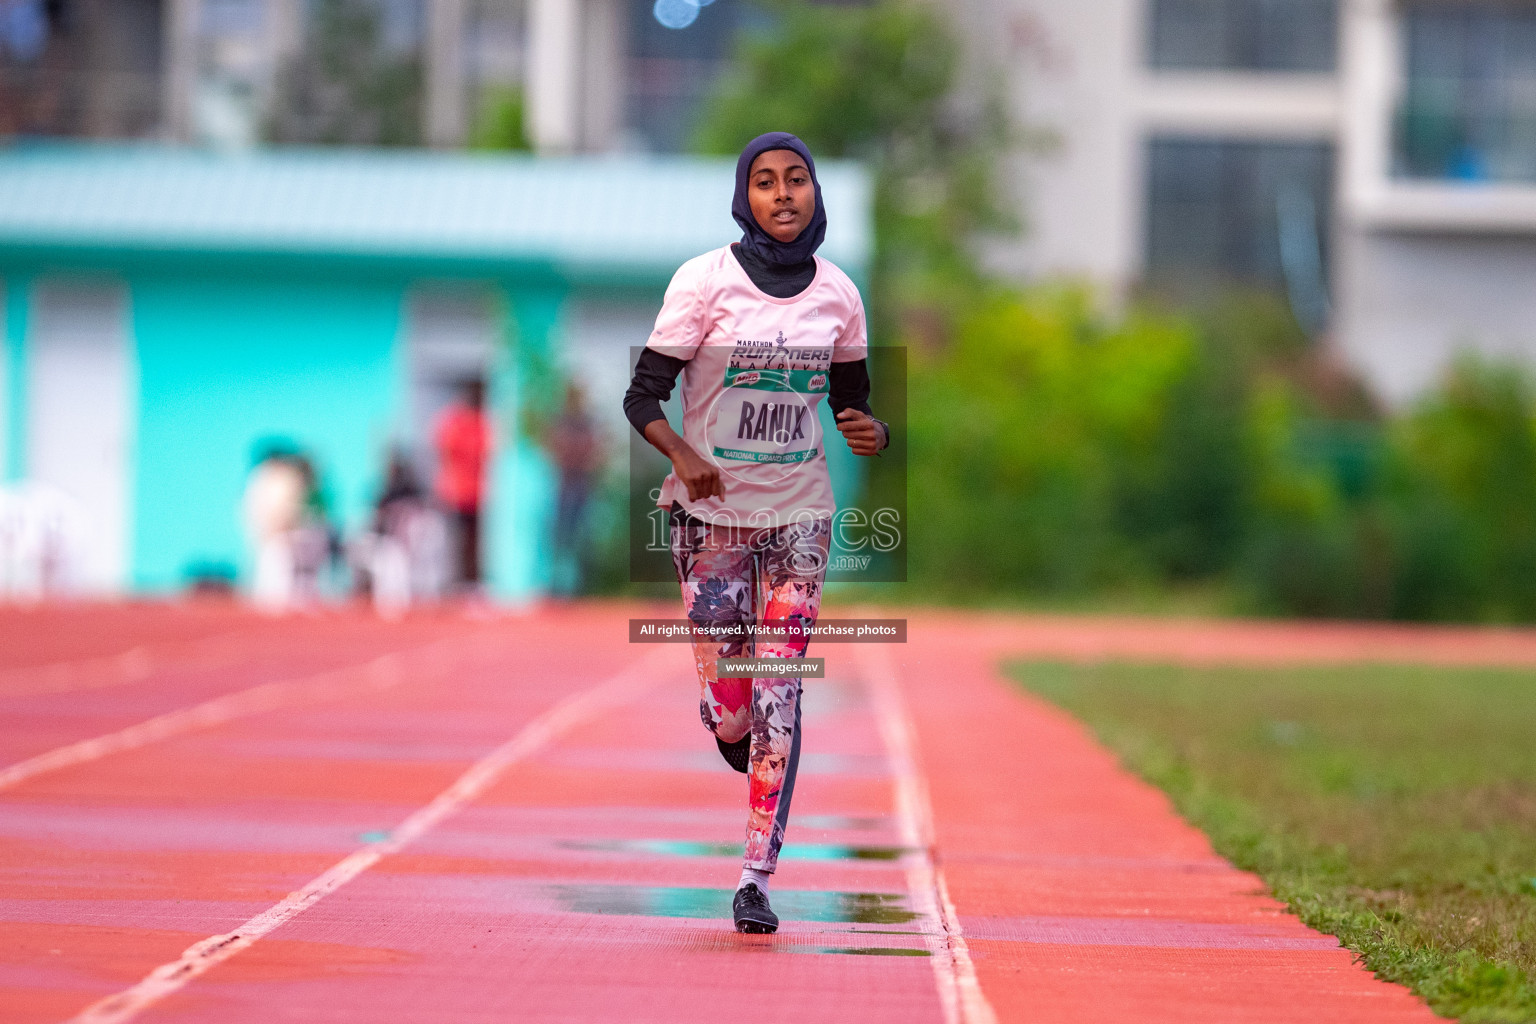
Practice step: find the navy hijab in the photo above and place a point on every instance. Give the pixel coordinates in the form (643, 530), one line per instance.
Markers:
(755, 240)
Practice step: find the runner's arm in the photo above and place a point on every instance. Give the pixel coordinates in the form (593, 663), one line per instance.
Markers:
(655, 376)
(849, 389)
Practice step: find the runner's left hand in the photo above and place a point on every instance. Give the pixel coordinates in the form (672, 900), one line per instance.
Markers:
(859, 430)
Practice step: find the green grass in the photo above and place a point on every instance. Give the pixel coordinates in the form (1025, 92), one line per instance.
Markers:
(1204, 599)
(1392, 806)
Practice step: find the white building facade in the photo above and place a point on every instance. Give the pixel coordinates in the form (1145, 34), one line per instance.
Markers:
(1373, 159)
(594, 75)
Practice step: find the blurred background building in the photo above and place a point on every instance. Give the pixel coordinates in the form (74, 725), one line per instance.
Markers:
(1373, 159)
(1373, 162)
(1376, 159)
(170, 310)
(585, 75)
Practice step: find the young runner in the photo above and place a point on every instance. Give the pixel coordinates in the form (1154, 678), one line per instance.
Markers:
(760, 331)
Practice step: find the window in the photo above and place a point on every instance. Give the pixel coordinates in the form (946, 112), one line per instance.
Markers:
(672, 70)
(1469, 109)
(73, 68)
(1242, 212)
(1254, 35)
(226, 17)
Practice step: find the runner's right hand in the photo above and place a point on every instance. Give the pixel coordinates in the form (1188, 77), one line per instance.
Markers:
(701, 477)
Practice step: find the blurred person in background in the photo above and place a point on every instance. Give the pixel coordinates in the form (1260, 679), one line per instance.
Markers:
(399, 561)
(463, 438)
(276, 493)
(316, 542)
(45, 537)
(288, 529)
(576, 446)
(760, 332)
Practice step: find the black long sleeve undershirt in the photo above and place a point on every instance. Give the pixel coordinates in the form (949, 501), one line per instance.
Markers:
(656, 376)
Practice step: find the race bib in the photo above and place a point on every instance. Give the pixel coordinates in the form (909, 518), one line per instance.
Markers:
(766, 412)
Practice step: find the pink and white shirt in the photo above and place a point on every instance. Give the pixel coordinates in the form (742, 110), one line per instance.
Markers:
(757, 373)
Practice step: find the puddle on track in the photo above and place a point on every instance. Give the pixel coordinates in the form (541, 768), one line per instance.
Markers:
(843, 821)
(677, 901)
(761, 944)
(687, 848)
(835, 950)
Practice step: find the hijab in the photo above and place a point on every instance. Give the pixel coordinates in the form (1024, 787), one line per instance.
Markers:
(755, 240)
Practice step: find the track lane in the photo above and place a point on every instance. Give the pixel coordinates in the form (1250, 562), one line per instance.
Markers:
(40, 714)
(380, 673)
(960, 991)
(105, 900)
(171, 977)
(1085, 897)
(38, 636)
(593, 879)
(137, 663)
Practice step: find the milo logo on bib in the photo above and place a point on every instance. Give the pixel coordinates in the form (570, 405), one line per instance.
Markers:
(766, 412)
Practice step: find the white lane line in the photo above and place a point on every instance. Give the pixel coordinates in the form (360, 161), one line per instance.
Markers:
(166, 979)
(378, 674)
(960, 992)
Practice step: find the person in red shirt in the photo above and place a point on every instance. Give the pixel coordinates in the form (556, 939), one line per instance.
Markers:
(463, 438)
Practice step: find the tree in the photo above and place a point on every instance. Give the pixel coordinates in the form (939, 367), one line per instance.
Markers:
(878, 83)
(346, 86)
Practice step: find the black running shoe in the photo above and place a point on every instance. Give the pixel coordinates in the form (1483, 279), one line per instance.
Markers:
(753, 915)
(739, 754)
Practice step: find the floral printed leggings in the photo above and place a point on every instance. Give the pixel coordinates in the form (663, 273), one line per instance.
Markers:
(735, 575)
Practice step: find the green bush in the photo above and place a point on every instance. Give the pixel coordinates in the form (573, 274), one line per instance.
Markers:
(1021, 431)
(1463, 495)
(875, 82)
(502, 121)
(1312, 540)
(1057, 452)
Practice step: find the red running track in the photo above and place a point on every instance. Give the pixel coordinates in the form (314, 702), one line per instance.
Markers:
(522, 819)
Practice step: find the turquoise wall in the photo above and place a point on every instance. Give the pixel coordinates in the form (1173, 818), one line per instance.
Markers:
(15, 298)
(229, 355)
(227, 362)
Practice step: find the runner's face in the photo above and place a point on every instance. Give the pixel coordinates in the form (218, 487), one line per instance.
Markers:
(781, 194)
